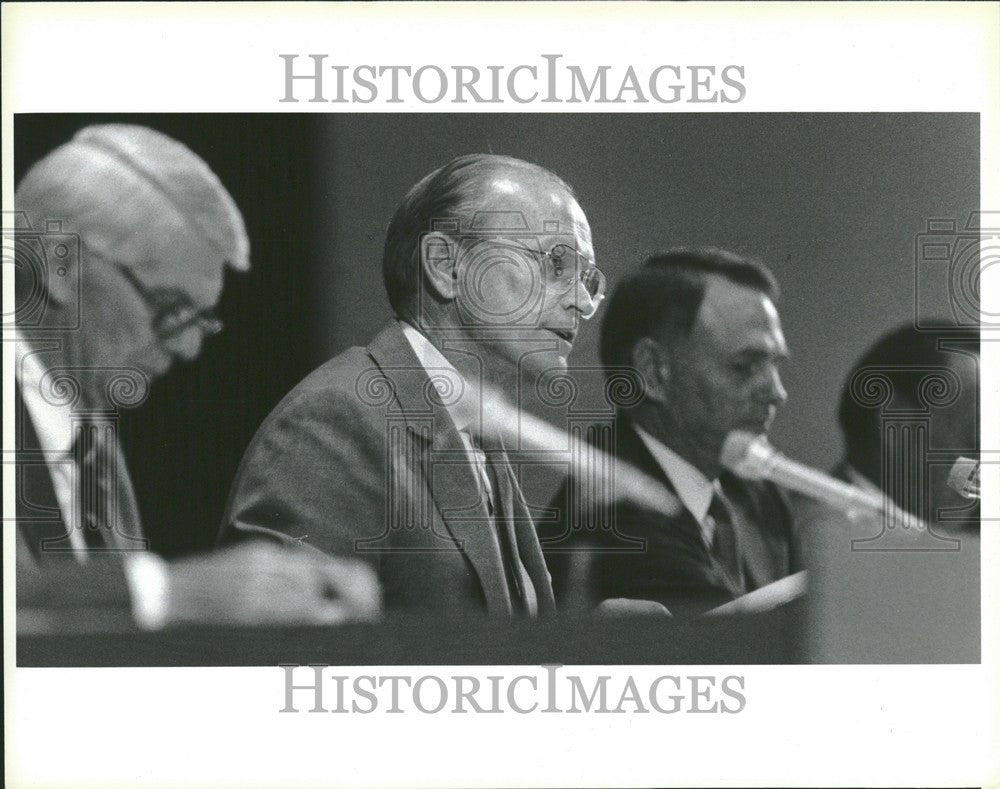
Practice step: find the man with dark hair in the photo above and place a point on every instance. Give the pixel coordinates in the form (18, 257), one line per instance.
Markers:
(701, 327)
(883, 588)
(383, 453)
(122, 236)
(914, 371)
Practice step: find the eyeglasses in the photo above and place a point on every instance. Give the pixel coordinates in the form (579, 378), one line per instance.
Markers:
(563, 270)
(173, 311)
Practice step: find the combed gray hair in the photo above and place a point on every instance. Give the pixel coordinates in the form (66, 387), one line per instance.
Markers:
(135, 196)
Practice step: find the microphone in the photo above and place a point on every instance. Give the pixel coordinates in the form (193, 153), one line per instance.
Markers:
(625, 482)
(964, 478)
(752, 457)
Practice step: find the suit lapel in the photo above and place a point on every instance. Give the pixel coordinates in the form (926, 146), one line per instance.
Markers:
(681, 534)
(517, 519)
(39, 515)
(451, 479)
(632, 449)
(764, 557)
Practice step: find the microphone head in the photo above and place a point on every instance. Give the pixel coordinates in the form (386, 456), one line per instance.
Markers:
(747, 455)
(964, 478)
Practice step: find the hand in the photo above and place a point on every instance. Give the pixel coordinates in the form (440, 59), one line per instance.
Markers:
(261, 583)
(625, 606)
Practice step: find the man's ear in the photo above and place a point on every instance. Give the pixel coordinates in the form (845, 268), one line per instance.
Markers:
(437, 261)
(650, 359)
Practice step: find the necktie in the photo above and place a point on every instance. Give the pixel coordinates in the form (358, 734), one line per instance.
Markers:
(95, 502)
(106, 507)
(494, 470)
(725, 547)
(479, 461)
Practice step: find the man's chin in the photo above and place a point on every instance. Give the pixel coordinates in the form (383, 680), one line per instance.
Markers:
(152, 365)
(523, 372)
(540, 365)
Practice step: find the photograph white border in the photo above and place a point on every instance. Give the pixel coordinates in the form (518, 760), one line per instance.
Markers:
(802, 725)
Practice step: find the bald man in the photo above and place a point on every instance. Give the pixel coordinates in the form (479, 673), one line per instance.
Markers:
(383, 454)
(122, 238)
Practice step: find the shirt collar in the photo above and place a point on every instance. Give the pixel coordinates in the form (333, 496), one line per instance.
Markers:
(53, 424)
(694, 489)
(458, 397)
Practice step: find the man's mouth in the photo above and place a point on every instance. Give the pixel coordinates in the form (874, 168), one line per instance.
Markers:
(566, 334)
(759, 424)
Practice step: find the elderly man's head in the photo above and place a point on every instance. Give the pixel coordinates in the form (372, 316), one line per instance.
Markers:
(496, 252)
(156, 229)
(701, 327)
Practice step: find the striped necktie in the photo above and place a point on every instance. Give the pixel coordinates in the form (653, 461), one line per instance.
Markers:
(106, 508)
(495, 474)
(95, 505)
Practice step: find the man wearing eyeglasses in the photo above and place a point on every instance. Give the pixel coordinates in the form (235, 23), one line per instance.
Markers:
(389, 453)
(121, 238)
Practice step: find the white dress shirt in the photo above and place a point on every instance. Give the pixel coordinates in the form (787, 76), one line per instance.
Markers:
(694, 489)
(459, 399)
(145, 573)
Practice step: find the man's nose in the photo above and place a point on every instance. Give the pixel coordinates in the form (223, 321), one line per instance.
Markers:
(775, 389)
(578, 299)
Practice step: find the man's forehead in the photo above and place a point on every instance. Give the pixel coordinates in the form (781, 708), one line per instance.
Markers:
(735, 316)
(544, 202)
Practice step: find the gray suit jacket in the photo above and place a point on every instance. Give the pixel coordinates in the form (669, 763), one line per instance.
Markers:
(362, 460)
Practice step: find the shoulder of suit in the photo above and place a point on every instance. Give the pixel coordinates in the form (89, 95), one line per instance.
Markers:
(346, 385)
(340, 372)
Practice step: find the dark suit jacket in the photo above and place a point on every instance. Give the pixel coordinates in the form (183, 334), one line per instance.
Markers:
(644, 555)
(53, 588)
(360, 459)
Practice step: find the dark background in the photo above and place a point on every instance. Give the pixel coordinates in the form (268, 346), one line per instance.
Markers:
(832, 202)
